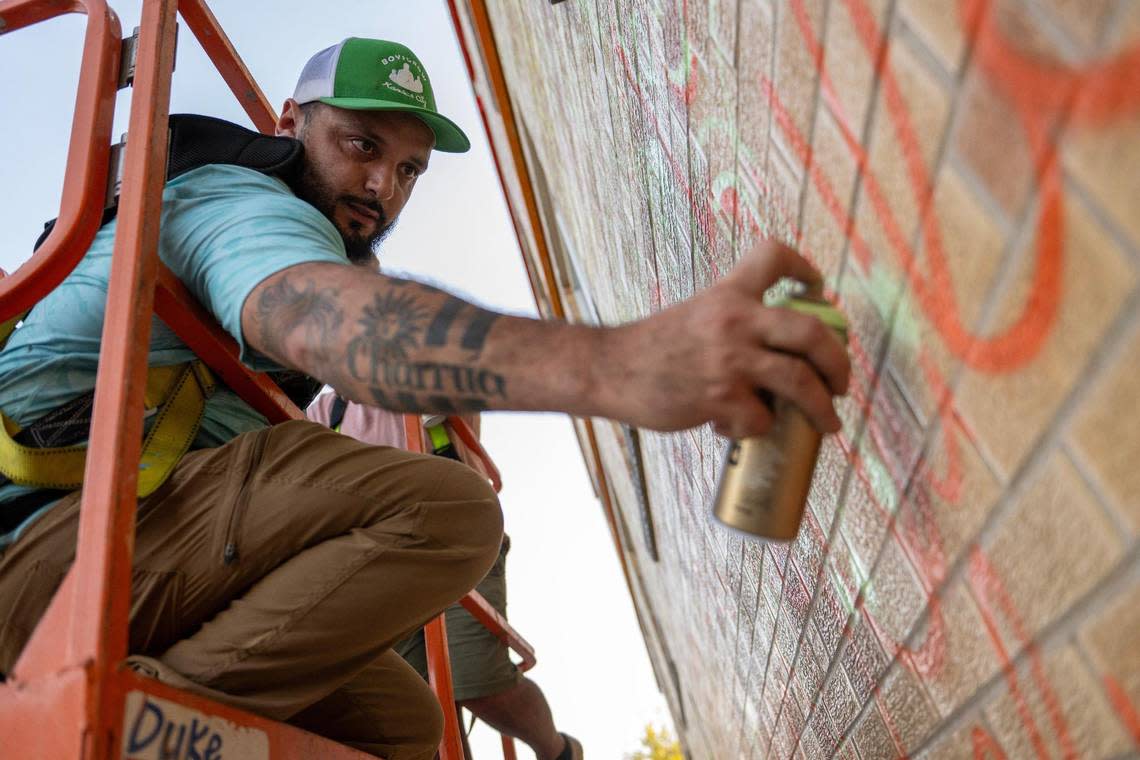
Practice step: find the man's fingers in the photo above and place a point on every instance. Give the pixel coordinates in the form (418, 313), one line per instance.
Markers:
(768, 261)
(795, 380)
(749, 418)
(791, 332)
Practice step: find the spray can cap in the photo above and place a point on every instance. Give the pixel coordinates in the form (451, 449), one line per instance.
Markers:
(816, 307)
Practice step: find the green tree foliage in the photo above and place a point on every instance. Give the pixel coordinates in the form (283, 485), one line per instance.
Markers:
(657, 744)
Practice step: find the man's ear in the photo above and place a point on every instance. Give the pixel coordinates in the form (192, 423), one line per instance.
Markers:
(289, 122)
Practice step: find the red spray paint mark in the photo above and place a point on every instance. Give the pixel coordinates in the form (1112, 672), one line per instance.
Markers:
(1023, 339)
(985, 747)
(1099, 92)
(980, 565)
(988, 589)
(935, 292)
(688, 93)
(700, 206)
(1046, 278)
(1124, 707)
(1042, 303)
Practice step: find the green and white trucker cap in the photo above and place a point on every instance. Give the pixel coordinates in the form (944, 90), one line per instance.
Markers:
(376, 75)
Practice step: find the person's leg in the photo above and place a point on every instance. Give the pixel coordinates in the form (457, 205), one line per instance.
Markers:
(271, 571)
(386, 710)
(522, 712)
(485, 680)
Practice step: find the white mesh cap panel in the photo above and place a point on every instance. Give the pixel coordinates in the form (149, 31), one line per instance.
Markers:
(316, 80)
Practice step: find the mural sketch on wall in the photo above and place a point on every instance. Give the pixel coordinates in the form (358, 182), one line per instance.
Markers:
(892, 468)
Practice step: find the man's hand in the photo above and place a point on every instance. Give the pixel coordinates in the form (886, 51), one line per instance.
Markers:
(412, 348)
(707, 358)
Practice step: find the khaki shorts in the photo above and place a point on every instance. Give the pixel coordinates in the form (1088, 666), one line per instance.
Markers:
(480, 664)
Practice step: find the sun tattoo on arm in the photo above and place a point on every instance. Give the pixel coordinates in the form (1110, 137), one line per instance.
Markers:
(392, 325)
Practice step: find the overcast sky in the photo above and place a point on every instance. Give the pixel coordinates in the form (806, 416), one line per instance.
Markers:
(566, 591)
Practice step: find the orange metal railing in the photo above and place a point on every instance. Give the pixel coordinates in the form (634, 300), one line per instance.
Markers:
(435, 632)
(71, 668)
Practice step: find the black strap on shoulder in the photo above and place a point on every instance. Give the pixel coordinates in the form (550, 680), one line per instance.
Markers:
(336, 414)
(197, 141)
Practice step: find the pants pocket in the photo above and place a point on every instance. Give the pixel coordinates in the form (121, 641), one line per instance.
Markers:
(232, 518)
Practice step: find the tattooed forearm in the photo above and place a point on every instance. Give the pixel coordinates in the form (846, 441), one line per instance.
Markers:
(400, 344)
(287, 306)
(430, 377)
(478, 324)
(394, 326)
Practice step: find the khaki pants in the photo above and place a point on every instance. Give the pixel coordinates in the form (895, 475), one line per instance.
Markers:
(275, 573)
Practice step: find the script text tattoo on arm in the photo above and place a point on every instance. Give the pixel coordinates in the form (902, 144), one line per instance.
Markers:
(396, 326)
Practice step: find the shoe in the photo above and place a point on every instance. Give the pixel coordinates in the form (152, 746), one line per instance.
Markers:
(572, 750)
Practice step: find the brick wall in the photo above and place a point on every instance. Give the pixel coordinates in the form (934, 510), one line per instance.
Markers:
(967, 175)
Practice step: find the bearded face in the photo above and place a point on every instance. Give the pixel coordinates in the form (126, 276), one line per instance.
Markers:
(359, 169)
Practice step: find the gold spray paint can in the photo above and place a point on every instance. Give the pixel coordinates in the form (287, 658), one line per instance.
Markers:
(765, 480)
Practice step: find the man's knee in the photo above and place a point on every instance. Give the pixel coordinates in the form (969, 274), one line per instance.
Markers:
(463, 513)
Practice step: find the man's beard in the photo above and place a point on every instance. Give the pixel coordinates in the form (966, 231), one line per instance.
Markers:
(360, 247)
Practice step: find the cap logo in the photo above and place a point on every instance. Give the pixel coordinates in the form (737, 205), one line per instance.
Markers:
(406, 79)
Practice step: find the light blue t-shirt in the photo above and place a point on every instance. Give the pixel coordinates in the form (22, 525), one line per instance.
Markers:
(224, 230)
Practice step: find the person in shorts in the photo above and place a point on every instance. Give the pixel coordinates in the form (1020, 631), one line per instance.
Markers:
(485, 680)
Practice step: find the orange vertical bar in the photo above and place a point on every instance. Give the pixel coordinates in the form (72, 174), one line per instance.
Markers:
(435, 638)
(439, 676)
(508, 748)
(106, 523)
(229, 64)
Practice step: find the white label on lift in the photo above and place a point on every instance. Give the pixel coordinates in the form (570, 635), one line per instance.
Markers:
(155, 729)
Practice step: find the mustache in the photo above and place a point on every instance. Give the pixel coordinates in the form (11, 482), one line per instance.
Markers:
(369, 203)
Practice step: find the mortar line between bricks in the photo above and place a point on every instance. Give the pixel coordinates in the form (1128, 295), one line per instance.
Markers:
(867, 131)
(1009, 223)
(1051, 638)
(1070, 48)
(1126, 575)
(751, 660)
(1111, 510)
(832, 530)
(1095, 361)
(1106, 220)
(643, 174)
(764, 170)
(956, 571)
(738, 129)
(955, 99)
(909, 476)
(995, 517)
(687, 54)
(1111, 24)
(736, 255)
(773, 50)
(813, 119)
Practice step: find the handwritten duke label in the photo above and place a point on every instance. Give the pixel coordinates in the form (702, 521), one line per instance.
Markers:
(155, 729)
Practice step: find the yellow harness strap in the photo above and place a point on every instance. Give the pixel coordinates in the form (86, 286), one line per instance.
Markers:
(177, 392)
